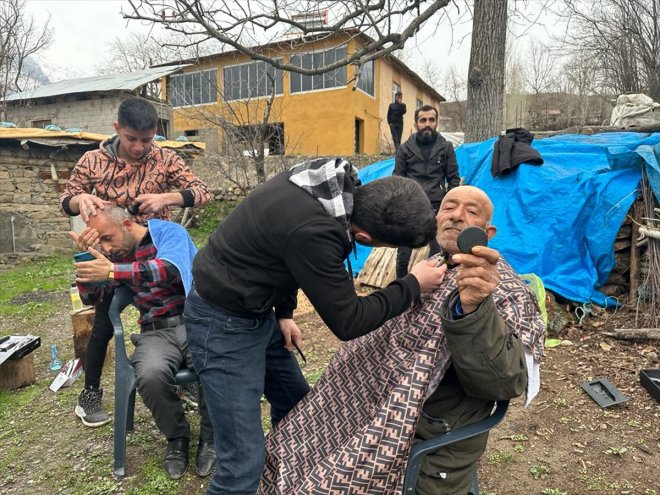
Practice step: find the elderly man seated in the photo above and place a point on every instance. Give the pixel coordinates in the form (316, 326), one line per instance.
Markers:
(438, 366)
(155, 262)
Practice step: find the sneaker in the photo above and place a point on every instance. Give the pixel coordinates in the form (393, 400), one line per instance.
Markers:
(89, 408)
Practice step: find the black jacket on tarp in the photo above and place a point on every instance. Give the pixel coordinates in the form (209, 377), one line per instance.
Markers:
(512, 149)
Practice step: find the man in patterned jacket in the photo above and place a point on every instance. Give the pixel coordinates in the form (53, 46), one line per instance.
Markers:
(127, 168)
(440, 365)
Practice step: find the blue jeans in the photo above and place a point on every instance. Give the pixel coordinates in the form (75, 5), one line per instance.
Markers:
(239, 359)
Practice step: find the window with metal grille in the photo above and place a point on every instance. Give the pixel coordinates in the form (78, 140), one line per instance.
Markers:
(366, 82)
(251, 80)
(332, 79)
(193, 88)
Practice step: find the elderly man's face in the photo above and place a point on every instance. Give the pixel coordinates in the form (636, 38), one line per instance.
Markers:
(462, 207)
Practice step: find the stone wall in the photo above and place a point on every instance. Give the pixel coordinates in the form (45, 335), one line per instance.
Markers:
(32, 177)
(30, 183)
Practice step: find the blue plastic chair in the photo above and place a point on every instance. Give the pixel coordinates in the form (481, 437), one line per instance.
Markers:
(125, 380)
(419, 450)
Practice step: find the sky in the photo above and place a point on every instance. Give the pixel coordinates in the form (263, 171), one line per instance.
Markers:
(82, 32)
(84, 29)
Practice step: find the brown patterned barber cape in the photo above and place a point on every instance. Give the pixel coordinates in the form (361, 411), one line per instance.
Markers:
(352, 433)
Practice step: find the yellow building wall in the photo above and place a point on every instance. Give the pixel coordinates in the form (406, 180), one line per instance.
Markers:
(411, 93)
(321, 122)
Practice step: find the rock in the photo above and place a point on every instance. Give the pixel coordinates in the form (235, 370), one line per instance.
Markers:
(573, 334)
(558, 316)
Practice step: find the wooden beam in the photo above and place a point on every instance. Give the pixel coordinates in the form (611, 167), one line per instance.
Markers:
(635, 334)
(638, 206)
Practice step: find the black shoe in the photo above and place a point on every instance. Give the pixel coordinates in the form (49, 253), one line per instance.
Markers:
(205, 459)
(176, 458)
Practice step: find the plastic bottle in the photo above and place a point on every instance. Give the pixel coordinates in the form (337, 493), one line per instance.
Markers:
(76, 302)
(55, 363)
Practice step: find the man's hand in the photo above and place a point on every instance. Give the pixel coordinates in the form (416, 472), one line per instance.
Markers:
(87, 204)
(477, 276)
(153, 203)
(428, 275)
(291, 333)
(93, 271)
(87, 238)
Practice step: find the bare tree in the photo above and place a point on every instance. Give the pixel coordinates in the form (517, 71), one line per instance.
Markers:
(623, 36)
(584, 81)
(250, 130)
(453, 87)
(247, 25)
(539, 70)
(430, 72)
(252, 27)
(136, 51)
(516, 96)
(539, 66)
(20, 38)
(485, 112)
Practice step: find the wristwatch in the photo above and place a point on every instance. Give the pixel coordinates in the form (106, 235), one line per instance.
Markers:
(111, 273)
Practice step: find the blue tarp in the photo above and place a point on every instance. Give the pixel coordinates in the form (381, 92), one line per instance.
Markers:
(559, 220)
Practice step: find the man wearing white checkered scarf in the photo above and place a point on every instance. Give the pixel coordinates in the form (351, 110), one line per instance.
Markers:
(293, 232)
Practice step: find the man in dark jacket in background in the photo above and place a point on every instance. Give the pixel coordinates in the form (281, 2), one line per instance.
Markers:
(294, 231)
(395, 113)
(428, 159)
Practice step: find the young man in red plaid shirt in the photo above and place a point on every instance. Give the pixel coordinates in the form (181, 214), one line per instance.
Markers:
(155, 262)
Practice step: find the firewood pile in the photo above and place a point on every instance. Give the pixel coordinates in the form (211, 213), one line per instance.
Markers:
(648, 291)
(380, 268)
(618, 283)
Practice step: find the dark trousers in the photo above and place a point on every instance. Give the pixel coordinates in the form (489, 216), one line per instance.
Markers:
(158, 355)
(238, 360)
(397, 131)
(97, 344)
(155, 365)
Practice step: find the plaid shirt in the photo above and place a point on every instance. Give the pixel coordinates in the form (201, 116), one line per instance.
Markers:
(157, 284)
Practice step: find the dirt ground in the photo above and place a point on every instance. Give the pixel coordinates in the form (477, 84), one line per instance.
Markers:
(564, 443)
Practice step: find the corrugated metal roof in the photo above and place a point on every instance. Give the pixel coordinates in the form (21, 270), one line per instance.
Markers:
(113, 82)
(59, 138)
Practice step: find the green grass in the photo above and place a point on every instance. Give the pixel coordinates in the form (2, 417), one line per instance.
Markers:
(11, 403)
(209, 218)
(156, 480)
(32, 291)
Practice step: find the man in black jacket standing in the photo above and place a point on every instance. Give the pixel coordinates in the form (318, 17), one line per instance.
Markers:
(395, 113)
(293, 232)
(428, 159)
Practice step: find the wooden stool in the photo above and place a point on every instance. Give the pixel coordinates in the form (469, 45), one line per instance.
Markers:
(17, 373)
(82, 322)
